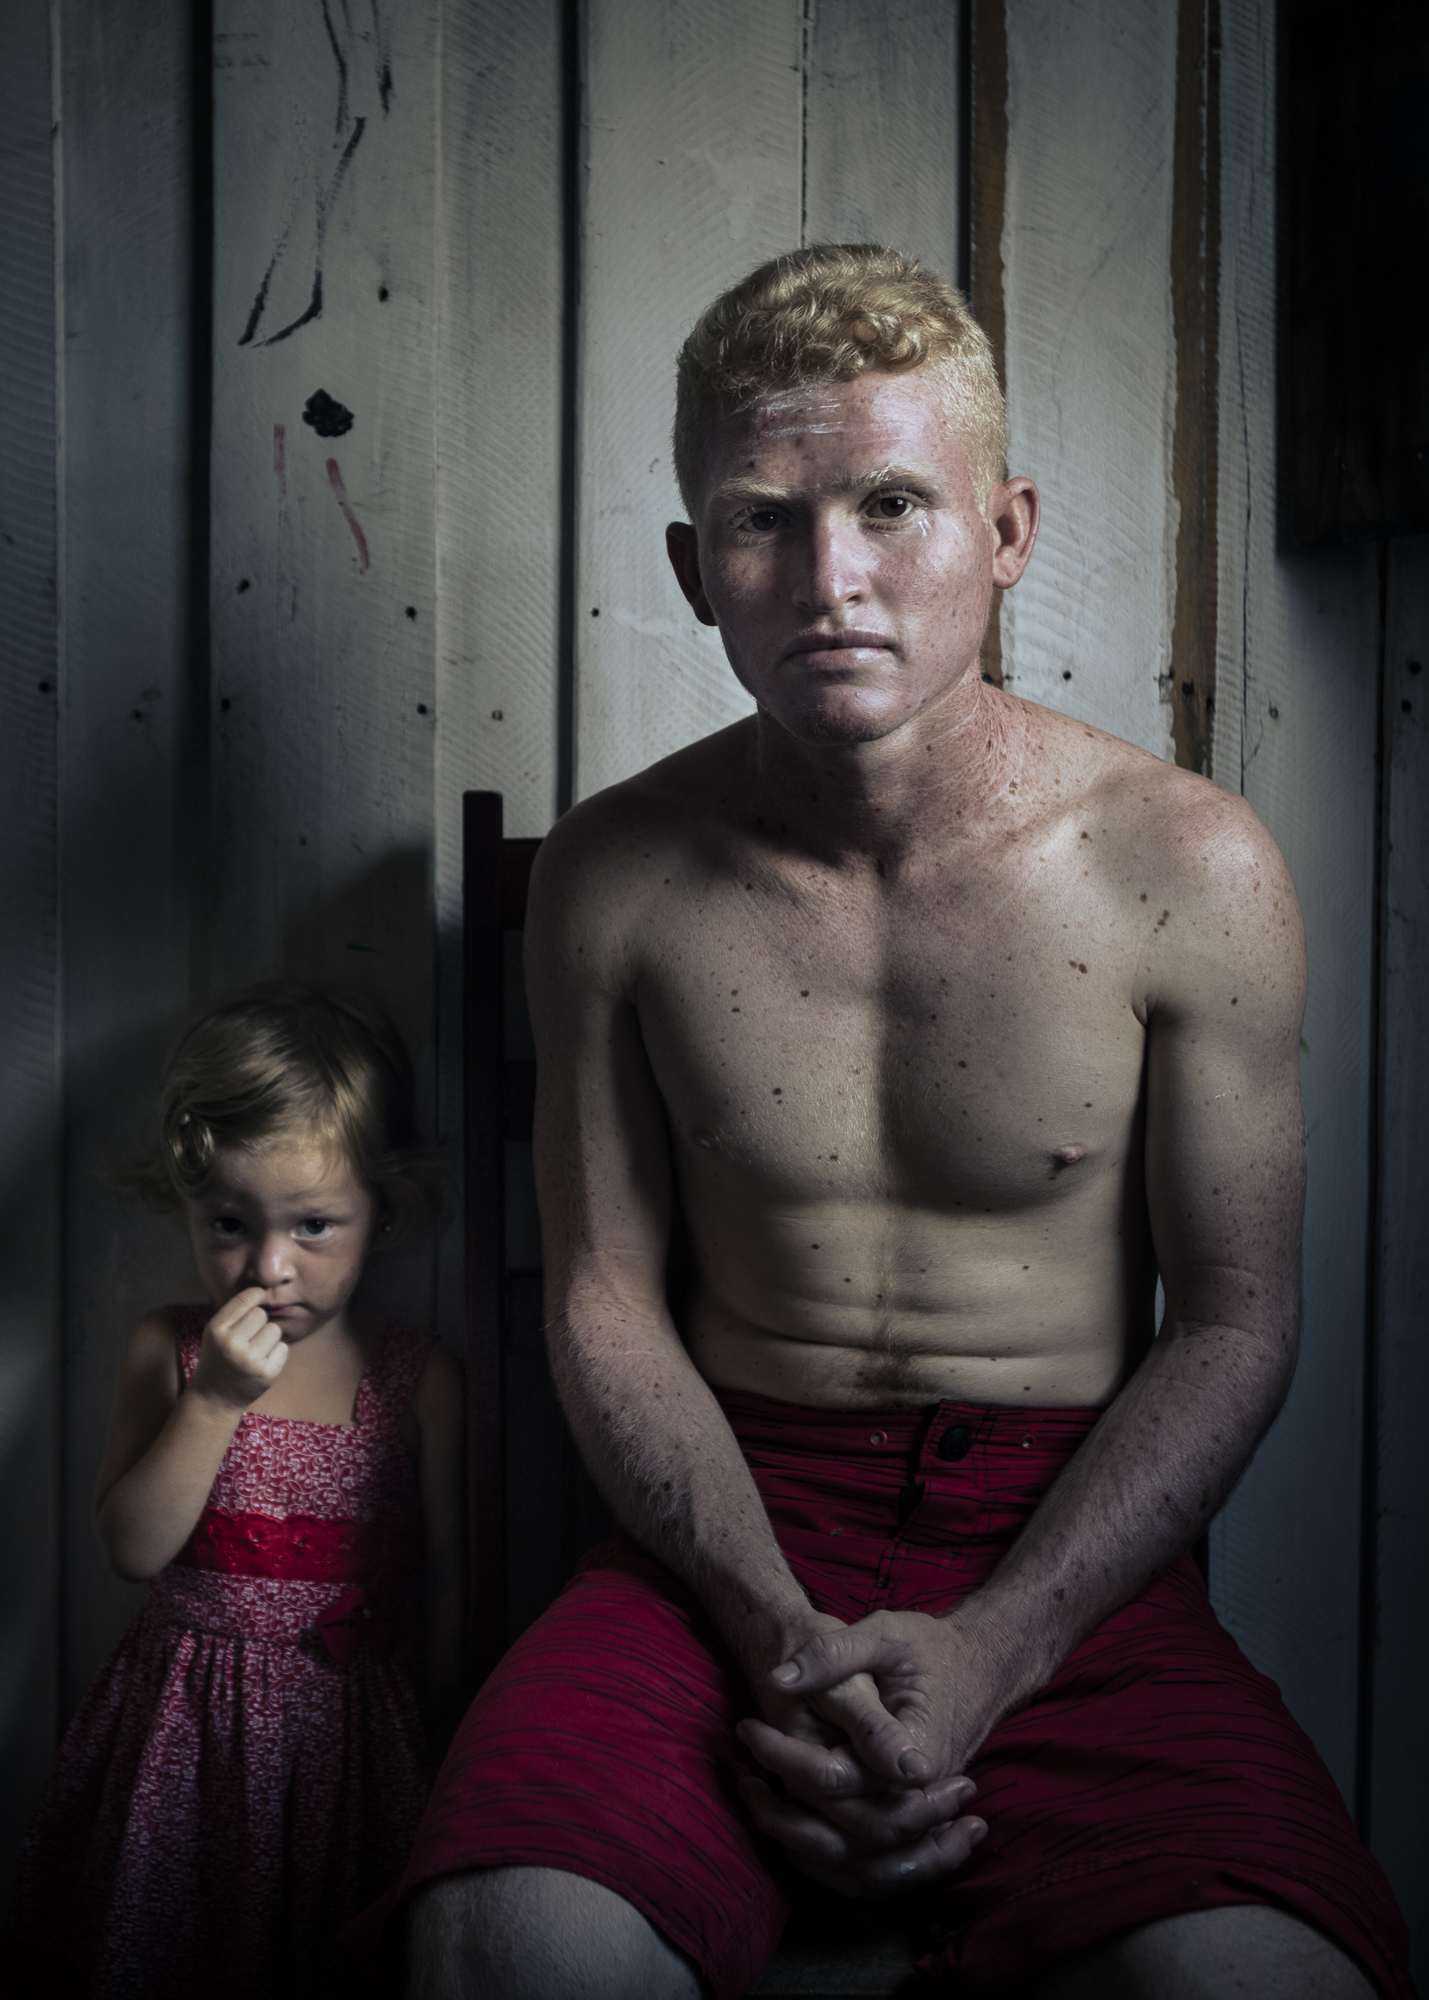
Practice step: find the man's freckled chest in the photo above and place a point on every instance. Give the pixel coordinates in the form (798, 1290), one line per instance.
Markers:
(789, 1052)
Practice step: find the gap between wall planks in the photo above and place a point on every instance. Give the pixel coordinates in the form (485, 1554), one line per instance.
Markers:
(986, 199)
(1195, 264)
(1399, 1738)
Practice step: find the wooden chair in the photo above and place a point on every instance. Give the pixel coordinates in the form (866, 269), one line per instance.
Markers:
(533, 1506)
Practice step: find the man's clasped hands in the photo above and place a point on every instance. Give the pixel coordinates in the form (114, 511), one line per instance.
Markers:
(866, 1730)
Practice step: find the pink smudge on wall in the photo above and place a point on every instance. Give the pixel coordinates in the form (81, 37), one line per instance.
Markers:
(334, 473)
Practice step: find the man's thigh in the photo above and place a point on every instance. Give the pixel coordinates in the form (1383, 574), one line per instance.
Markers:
(603, 1747)
(1210, 1955)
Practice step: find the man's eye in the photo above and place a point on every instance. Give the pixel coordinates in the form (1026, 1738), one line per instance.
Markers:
(762, 520)
(893, 506)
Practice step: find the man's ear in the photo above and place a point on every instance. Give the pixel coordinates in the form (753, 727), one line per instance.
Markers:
(1015, 509)
(683, 548)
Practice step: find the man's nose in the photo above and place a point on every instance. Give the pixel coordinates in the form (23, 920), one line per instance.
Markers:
(833, 571)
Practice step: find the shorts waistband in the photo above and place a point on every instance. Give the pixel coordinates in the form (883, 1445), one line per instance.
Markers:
(879, 1434)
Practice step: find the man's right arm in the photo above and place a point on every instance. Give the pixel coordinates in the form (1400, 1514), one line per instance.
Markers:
(648, 1425)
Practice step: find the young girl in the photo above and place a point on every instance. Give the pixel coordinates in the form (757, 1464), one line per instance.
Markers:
(247, 1772)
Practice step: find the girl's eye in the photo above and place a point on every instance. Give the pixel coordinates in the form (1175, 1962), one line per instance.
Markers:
(228, 1225)
(314, 1226)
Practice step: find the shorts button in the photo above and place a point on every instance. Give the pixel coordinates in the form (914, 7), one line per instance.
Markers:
(878, 1437)
(955, 1443)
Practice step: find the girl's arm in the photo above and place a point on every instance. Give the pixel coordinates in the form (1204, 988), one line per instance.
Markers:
(437, 1407)
(167, 1438)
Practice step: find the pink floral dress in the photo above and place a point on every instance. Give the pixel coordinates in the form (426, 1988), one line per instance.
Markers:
(246, 1772)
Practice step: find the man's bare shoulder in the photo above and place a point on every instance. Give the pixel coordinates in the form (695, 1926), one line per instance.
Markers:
(1189, 861)
(608, 855)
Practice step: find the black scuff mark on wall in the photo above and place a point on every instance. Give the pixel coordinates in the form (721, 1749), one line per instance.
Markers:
(328, 417)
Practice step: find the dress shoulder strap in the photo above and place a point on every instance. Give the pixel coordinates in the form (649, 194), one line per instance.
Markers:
(188, 1324)
(398, 1360)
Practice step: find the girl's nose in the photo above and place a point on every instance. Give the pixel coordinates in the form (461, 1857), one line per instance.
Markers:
(270, 1263)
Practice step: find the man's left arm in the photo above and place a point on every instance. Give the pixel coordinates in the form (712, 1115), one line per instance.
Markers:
(1225, 1186)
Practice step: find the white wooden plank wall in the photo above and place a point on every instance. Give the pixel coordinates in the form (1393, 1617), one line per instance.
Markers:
(124, 190)
(1296, 721)
(29, 965)
(1091, 97)
(1399, 1800)
(498, 436)
(323, 567)
(693, 118)
(882, 127)
(498, 416)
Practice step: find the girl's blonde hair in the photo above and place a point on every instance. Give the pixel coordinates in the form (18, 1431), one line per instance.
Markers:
(828, 314)
(281, 1056)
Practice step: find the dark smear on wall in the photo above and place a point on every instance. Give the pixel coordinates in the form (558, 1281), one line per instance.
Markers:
(341, 62)
(261, 300)
(382, 38)
(328, 417)
(315, 303)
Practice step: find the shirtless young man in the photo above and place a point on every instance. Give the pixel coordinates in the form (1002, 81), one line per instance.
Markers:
(948, 1021)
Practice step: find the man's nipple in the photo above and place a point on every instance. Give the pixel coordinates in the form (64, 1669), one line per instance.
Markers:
(706, 1141)
(1068, 1156)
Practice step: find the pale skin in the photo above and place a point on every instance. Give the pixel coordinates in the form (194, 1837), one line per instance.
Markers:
(280, 1236)
(951, 1021)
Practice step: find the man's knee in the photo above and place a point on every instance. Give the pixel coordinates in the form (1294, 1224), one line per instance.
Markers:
(1244, 1948)
(536, 1934)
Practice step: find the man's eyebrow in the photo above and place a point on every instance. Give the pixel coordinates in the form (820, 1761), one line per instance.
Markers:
(734, 491)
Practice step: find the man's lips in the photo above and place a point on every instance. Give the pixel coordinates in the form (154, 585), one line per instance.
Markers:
(828, 644)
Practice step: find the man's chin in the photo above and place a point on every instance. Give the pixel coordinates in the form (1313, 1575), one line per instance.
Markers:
(828, 723)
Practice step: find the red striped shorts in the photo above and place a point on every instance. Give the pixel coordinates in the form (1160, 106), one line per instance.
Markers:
(1156, 1773)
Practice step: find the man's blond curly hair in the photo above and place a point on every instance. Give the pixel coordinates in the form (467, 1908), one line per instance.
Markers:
(828, 314)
